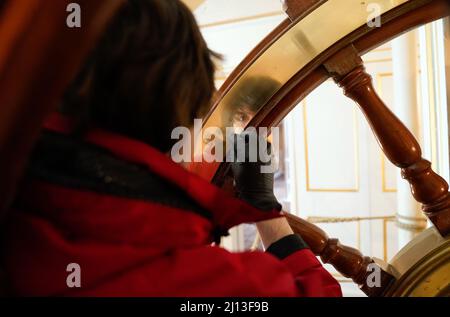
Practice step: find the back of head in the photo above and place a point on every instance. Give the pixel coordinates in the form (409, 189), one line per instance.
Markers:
(150, 72)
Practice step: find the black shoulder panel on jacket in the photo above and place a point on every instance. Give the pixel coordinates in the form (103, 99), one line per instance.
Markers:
(70, 162)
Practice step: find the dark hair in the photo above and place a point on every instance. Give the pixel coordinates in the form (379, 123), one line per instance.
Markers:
(150, 72)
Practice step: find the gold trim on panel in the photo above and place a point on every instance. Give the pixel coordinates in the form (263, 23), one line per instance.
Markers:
(306, 152)
(384, 186)
(384, 49)
(379, 83)
(243, 19)
(381, 60)
(385, 220)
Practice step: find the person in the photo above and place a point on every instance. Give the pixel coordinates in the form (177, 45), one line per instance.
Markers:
(103, 210)
(244, 102)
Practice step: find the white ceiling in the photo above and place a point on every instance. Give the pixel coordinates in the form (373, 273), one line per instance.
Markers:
(213, 11)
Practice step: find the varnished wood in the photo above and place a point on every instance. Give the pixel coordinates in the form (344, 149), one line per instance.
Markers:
(346, 260)
(39, 55)
(396, 141)
(295, 9)
(311, 76)
(410, 15)
(404, 18)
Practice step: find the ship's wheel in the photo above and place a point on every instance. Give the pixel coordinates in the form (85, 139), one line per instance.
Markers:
(321, 39)
(314, 44)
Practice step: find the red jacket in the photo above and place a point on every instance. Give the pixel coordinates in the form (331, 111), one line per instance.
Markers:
(138, 247)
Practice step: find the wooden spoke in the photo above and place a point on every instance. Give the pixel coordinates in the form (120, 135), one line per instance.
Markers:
(346, 260)
(396, 141)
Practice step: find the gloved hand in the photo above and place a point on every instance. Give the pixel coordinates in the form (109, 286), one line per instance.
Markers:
(253, 186)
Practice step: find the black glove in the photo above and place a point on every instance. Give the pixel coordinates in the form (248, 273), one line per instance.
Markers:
(253, 186)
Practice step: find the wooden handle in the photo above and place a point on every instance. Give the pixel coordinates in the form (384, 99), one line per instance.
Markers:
(346, 260)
